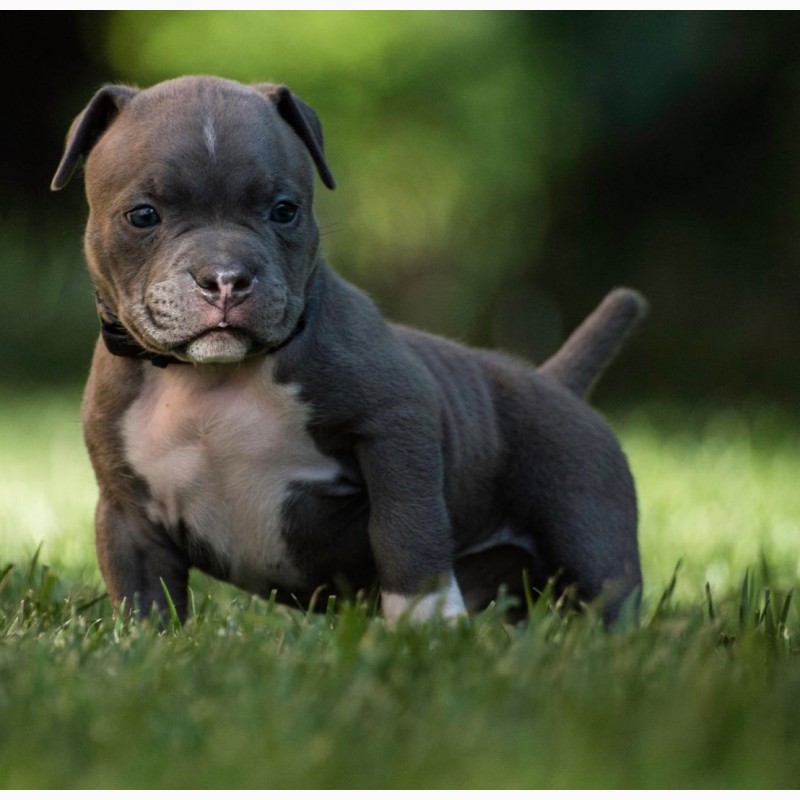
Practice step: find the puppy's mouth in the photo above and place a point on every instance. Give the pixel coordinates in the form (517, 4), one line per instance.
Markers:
(226, 343)
(222, 344)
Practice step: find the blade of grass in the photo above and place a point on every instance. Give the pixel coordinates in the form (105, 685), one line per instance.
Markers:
(85, 606)
(710, 603)
(175, 620)
(119, 620)
(5, 577)
(526, 588)
(33, 566)
(667, 593)
(784, 615)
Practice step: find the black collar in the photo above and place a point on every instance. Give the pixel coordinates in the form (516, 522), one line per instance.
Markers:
(119, 342)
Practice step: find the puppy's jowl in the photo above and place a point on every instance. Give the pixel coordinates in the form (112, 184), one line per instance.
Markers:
(251, 414)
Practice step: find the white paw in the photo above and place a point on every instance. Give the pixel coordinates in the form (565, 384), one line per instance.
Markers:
(446, 603)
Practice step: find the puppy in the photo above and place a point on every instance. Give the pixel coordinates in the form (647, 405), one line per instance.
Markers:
(249, 413)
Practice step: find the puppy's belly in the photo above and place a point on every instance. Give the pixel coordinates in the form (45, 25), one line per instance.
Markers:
(221, 451)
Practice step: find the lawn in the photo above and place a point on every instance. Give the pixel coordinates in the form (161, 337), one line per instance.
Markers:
(702, 692)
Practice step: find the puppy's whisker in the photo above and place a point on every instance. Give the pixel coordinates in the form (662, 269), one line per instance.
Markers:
(331, 232)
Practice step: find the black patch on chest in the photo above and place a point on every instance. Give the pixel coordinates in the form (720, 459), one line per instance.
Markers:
(325, 530)
(201, 555)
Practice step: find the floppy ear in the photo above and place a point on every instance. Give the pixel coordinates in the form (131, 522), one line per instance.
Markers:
(304, 122)
(87, 128)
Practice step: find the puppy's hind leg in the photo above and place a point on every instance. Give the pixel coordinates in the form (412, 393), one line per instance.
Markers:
(574, 495)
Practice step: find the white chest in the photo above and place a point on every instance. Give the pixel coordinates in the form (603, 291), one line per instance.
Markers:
(219, 448)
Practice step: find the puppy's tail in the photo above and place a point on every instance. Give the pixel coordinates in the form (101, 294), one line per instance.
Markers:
(582, 359)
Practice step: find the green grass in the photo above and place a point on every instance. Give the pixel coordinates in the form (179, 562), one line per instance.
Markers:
(702, 692)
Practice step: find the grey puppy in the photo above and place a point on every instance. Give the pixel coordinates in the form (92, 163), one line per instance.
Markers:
(251, 414)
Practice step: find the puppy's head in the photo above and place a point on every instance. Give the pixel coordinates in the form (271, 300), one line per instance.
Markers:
(201, 237)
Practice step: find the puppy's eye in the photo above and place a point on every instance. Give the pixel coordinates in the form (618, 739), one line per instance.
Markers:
(284, 212)
(143, 217)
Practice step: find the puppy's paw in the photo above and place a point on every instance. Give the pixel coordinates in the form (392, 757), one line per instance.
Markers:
(445, 603)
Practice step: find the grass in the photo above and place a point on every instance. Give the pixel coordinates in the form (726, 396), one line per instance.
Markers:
(703, 692)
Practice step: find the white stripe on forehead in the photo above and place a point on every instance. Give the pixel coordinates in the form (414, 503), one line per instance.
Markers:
(210, 138)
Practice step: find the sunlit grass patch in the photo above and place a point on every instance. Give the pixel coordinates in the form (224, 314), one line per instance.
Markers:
(717, 490)
(47, 490)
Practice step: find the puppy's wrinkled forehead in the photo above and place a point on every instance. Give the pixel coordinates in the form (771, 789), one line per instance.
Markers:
(192, 137)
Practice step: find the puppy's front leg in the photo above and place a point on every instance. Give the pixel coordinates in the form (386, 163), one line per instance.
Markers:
(409, 528)
(135, 556)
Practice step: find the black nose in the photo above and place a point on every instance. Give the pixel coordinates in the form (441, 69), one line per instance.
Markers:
(224, 287)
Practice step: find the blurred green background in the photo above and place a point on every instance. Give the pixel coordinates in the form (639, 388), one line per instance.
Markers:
(497, 172)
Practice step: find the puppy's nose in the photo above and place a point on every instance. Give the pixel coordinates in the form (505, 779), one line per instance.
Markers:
(223, 287)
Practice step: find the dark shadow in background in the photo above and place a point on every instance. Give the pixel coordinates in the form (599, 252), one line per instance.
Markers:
(689, 190)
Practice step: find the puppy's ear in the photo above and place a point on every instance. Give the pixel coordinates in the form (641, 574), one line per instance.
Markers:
(87, 128)
(304, 122)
